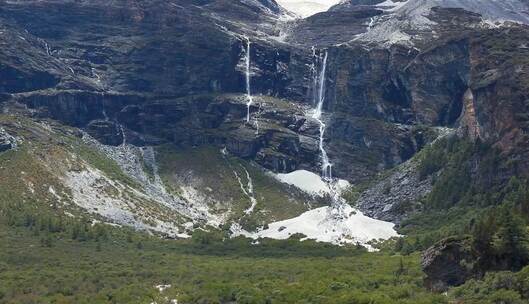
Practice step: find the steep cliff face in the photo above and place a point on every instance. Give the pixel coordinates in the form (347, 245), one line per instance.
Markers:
(154, 72)
(499, 87)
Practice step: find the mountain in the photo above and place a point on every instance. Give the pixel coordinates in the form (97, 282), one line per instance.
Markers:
(366, 119)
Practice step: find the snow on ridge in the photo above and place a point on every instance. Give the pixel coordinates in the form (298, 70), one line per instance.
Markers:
(391, 28)
(306, 8)
(504, 10)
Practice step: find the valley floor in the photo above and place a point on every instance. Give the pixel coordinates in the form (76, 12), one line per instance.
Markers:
(37, 267)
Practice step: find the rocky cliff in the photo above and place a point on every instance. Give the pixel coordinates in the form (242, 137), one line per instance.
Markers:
(156, 72)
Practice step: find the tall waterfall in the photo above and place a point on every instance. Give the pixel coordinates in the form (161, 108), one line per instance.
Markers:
(319, 99)
(248, 78)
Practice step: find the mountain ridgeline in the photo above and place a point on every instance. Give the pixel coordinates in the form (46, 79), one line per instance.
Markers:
(172, 115)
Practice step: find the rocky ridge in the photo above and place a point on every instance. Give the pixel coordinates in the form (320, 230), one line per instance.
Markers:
(139, 74)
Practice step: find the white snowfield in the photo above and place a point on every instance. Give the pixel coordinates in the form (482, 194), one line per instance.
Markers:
(310, 182)
(344, 225)
(493, 10)
(306, 8)
(337, 224)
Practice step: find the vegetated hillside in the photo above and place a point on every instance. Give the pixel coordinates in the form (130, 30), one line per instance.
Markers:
(176, 118)
(163, 190)
(72, 262)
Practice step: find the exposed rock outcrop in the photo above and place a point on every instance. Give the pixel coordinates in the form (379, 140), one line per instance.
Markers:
(396, 196)
(7, 141)
(468, 122)
(448, 263)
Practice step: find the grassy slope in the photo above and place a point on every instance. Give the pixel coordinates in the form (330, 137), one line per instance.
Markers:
(43, 157)
(214, 175)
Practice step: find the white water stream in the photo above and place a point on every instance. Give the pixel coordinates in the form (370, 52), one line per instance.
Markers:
(248, 190)
(319, 96)
(248, 78)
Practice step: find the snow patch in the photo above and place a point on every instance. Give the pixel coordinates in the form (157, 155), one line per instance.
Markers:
(311, 183)
(162, 287)
(306, 8)
(52, 191)
(327, 224)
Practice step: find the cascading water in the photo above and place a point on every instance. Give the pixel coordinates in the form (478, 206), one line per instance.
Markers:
(248, 75)
(319, 99)
(371, 23)
(248, 78)
(103, 107)
(122, 130)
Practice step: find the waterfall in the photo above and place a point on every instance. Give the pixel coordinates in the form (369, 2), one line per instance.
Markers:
(248, 78)
(47, 48)
(319, 99)
(124, 143)
(371, 23)
(104, 110)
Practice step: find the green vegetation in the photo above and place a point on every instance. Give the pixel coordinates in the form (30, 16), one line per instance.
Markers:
(47, 256)
(466, 184)
(495, 288)
(471, 198)
(208, 169)
(65, 260)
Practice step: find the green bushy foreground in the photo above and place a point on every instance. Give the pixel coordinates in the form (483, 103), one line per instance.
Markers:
(49, 259)
(43, 260)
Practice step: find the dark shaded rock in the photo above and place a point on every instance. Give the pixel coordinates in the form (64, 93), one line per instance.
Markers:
(374, 145)
(243, 143)
(341, 25)
(106, 132)
(4, 145)
(437, 80)
(146, 46)
(15, 81)
(76, 108)
(175, 64)
(447, 263)
(4, 97)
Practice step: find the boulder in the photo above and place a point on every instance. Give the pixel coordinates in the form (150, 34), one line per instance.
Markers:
(447, 263)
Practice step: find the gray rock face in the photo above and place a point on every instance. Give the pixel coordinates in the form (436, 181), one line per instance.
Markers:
(106, 132)
(7, 141)
(396, 196)
(165, 73)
